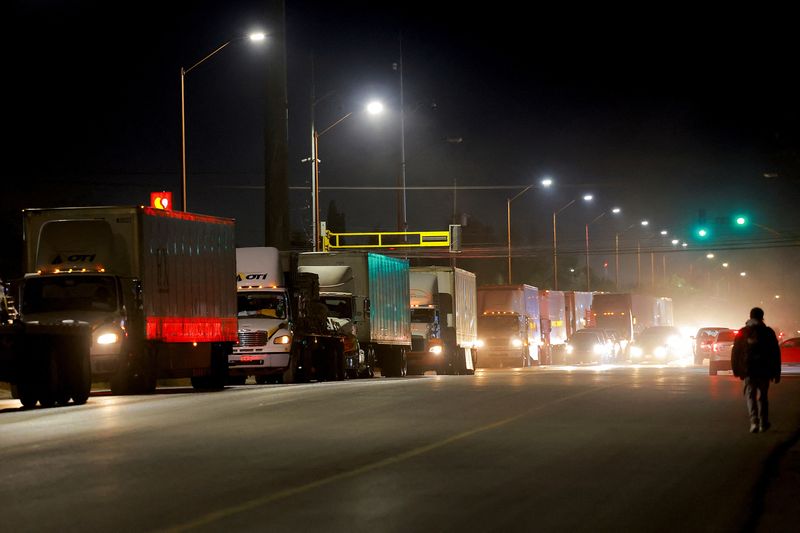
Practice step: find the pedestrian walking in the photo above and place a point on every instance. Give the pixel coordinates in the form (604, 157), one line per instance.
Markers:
(756, 359)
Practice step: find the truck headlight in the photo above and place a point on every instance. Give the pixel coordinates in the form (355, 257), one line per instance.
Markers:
(598, 349)
(570, 348)
(636, 351)
(660, 351)
(479, 343)
(435, 350)
(108, 338)
(516, 343)
(283, 339)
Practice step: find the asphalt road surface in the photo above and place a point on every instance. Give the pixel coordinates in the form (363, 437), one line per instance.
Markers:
(556, 449)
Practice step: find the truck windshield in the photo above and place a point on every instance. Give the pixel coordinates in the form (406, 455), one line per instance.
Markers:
(69, 293)
(497, 324)
(338, 307)
(261, 305)
(423, 315)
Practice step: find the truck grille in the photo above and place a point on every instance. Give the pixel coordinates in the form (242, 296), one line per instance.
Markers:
(252, 338)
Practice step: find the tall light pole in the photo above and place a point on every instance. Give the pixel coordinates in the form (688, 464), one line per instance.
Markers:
(372, 108)
(586, 198)
(643, 223)
(614, 210)
(546, 182)
(254, 37)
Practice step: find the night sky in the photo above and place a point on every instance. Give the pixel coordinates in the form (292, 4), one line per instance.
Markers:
(672, 115)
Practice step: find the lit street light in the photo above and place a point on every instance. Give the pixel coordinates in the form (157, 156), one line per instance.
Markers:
(254, 37)
(586, 198)
(372, 108)
(616, 211)
(546, 182)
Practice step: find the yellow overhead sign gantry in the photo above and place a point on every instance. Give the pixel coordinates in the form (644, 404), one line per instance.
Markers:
(392, 239)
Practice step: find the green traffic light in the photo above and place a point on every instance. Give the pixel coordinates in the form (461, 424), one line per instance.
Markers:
(702, 232)
(741, 221)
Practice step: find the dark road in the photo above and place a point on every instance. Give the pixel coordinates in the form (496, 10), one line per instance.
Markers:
(557, 449)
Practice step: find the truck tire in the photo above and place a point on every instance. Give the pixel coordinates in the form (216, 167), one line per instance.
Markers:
(50, 387)
(368, 371)
(80, 376)
(26, 393)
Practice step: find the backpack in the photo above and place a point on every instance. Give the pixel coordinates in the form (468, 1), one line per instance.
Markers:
(755, 359)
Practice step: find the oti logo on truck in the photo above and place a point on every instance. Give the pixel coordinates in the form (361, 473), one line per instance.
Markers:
(251, 277)
(75, 258)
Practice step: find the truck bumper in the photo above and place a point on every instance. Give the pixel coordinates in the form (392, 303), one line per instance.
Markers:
(257, 363)
(425, 360)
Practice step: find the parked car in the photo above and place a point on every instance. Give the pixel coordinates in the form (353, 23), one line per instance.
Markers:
(705, 337)
(659, 343)
(719, 357)
(790, 351)
(587, 347)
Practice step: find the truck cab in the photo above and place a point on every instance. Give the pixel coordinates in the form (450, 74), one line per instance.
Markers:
(264, 317)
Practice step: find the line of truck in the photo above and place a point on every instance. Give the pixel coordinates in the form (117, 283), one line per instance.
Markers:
(130, 295)
(521, 325)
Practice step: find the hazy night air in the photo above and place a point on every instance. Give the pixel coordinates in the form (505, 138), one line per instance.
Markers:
(677, 119)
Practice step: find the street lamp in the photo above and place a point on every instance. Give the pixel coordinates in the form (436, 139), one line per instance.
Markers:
(643, 223)
(614, 210)
(372, 108)
(254, 37)
(586, 198)
(546, 182)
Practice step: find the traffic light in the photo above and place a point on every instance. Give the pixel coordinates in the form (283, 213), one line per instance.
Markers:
(740, 221)
(702, 232)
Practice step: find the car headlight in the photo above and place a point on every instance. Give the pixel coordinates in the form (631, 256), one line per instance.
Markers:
(636, 351)
(435, 350)
(598, 349)
(108, 338)
(283, 339)
(570, 348)
(479, 343)
(516, 343)
(660, 352)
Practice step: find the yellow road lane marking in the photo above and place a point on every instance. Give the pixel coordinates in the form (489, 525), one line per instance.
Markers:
(214, 516)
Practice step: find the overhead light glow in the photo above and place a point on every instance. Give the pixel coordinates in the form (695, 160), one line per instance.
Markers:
(710, 256)
(374, 108)
(664, 232)
(546, 182)
(645, 222)
(675, 241)
(588, 197)
(616, 210)
(257, 36)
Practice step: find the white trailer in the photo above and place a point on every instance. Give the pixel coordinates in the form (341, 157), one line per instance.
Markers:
(443, 320)
(156, 287)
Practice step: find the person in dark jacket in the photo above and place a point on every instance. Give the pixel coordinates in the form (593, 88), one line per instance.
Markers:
(756, 359)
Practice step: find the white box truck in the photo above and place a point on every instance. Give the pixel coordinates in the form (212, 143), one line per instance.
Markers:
(444, 320)
(508, 322)
(264, 317)
(156, 287)
(372, 292)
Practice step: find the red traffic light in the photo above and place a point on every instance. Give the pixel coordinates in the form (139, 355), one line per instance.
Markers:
(161, 200)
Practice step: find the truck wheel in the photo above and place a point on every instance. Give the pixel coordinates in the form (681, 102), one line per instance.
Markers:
(27, 395)
(80, 382)
(49, 386)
